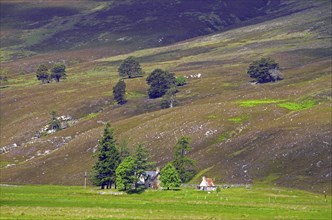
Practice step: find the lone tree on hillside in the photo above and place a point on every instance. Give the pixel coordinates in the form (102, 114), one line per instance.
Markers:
(119, 92)
(169, 177)
(130, 68)
(42, 73)
(183, 164)
(108, 160)
(264, 70)
(125, 174)
(58, 71)
(160, 81)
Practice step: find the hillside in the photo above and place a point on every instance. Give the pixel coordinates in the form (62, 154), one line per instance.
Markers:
(241, 132)
(113, 27)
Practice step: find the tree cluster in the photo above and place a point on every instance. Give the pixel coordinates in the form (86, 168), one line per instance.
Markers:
(183, 164)
(115, 166)
(181, 169)
(162, 83)
(57, 72)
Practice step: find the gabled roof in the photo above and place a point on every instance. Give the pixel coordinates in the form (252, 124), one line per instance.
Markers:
(207, 182)
(151, 174)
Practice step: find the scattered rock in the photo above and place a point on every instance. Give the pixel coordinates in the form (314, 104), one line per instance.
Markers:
(319, 163)
(8, 148)
(10, 165)
(194, 76)
(210, 132)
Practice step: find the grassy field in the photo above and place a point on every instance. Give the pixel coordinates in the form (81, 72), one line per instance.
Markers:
(64, 202)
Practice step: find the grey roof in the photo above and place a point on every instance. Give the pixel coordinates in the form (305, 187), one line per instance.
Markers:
(151, 174)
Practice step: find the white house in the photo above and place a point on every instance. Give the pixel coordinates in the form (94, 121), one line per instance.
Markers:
(206, 184)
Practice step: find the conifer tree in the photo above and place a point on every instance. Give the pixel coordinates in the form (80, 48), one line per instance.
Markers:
(141, 160)
(183, 164)
(123, 149)
(108, 159)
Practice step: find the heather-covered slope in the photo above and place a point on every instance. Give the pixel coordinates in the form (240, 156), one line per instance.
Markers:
(29, 28)
(241, 132)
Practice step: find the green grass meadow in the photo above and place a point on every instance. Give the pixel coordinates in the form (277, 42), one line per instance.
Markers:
(74, 202)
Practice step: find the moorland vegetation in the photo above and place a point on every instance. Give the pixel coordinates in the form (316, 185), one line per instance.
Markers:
(240, 131)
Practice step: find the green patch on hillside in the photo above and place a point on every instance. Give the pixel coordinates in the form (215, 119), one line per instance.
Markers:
(135, 94)
(6, 55)
(211, 117)
(90, 116)
(255, 102)
(236, 153)
(268, 180)
(23, 81)
(3, 164)
(223, 137)
(298, 106)
(198, 177)
(239, 119)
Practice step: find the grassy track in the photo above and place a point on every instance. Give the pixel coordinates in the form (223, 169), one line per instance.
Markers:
(64, 202)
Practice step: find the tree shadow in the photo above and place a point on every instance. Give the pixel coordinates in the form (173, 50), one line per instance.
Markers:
(138, 190)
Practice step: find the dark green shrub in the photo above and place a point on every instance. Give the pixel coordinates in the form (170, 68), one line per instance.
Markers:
(181, 81)
(264, 70)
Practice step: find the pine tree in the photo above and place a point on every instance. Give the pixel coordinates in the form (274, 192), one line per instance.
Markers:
(183, 164)
(141, 160)
(119, 92)
(123, 149)
(169, 177)
(125, 174)
(108, 159)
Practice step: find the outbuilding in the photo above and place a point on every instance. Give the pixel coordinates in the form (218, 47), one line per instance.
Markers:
(207, 184)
